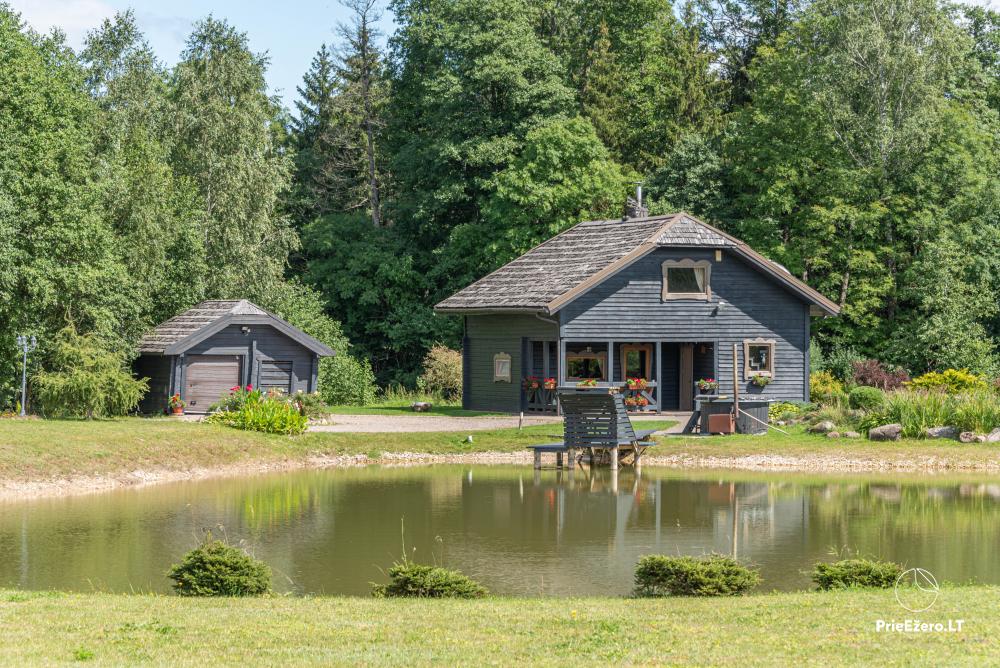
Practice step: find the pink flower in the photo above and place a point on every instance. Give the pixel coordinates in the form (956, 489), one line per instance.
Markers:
(234, 388)
(249, 388)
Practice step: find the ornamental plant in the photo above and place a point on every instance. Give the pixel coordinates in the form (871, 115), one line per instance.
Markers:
(952, 381)
(531, 383)
(657, 575)
(707, 384)
(253, 410)
(550, 383)
(175, 401)
(410, 580)
(587, 382)
(849, 573)
(872, 373)
(215, 568)
(760, 380)
(636, 383)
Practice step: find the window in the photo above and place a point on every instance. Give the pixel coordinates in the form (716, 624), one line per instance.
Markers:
(637, 360)
(501, 368)
(758, 358)
(586, 364)
(687, 279)
(276, 376)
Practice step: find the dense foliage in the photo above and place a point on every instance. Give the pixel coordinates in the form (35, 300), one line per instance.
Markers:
(711, 575)
(410, 580)
(848, 573)
(442, 372)
(85, 380)
(215, 568)
(854, 141)
(255, 410)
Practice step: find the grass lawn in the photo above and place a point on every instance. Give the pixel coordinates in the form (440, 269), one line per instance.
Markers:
(791, 629)
(388, 409)
(42, 449)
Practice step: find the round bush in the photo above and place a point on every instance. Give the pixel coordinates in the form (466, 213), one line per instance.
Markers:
(856, 573)
(866, 398)
(657, 575)
(409, 580)
(218, 569)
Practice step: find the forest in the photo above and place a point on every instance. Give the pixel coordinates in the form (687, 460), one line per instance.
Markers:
(853, 141)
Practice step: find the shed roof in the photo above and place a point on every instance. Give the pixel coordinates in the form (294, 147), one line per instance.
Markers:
(552, 274)
(205, 318)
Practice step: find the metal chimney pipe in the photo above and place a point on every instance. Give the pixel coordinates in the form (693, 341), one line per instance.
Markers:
(638, 192)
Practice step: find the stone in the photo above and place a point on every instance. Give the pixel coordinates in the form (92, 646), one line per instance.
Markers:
(887, 432)
(780, 423)
(941, 432)
(993, 436)
(421, 406)
(833, 434)
(851, 434)
(971, 437)
(824, 427)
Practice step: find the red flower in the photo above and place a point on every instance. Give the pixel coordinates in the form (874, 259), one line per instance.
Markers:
(249, 388)
(234, 388)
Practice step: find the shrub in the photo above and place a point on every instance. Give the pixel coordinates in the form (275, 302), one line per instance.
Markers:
(824, 388)
(409, 580)
(866, 398)
(217, 569)
(712, 575)
(873, 373)
(251, 410)
(817, 360)
(85, 380)
(856, 573)
(840, 363)
(442, 372)
(310, 404)
(918, 410)
(952, 381)
(785, 410)
(976, 411)
(347, 380)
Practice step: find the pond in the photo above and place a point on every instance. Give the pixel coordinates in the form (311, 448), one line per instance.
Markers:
(520, 533)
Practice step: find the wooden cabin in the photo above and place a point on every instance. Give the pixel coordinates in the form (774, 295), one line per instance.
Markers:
(216, 345)
(661, 298)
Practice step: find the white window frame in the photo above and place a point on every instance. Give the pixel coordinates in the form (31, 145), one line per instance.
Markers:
(747, 371)
(501, 368)
(687, 263)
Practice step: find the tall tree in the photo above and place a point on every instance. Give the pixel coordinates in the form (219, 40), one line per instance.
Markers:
(310, 197)
(226, 144)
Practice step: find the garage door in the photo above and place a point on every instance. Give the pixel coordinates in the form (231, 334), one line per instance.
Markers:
(209, 377)
(277, 375)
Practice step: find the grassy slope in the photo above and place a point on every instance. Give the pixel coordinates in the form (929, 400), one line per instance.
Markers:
(825, 629)
(41, 449)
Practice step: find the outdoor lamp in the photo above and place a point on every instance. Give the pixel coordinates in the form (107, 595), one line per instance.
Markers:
(26, 345)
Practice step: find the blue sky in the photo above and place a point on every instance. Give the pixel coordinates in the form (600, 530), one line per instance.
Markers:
(290, 32)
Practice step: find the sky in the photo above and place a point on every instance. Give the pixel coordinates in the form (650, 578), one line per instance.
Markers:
(290, 32)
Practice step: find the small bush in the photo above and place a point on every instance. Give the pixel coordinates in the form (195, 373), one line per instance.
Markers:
(873, 373)
(347, 380)
(840, 363)
(657, 575)
(784, 410)
(866, 398)
(442, 372)
(217, 569)
(84, 379)
(409, 580)
(952, 381)
(824, 388)
(849, 573)
(252, 410)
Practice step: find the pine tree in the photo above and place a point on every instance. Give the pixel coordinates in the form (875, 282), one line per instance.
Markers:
(315, 107)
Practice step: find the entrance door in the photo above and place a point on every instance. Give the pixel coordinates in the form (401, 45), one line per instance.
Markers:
(686, 377)
(209, 377)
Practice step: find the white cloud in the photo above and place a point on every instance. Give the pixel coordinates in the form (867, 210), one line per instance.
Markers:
(74, 17)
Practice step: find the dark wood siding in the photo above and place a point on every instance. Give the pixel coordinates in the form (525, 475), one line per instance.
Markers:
(745, 304)
(487, 335)
(275, 375)
(157, 369)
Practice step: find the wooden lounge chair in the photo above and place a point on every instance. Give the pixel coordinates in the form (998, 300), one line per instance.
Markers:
(597, 422)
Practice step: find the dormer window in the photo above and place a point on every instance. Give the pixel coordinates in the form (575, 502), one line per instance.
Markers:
(687, 279)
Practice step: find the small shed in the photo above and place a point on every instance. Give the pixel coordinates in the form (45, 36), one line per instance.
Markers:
(215, 345)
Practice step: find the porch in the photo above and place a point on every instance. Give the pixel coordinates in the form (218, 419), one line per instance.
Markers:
(667, 371)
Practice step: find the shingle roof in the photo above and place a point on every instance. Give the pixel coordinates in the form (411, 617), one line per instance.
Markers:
(195, 318)
(547, 276)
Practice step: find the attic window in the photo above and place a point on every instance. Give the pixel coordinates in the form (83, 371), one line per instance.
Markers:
(687, 279)
(758, 358)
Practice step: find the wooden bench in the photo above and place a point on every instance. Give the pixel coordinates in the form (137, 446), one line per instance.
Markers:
(597, 422)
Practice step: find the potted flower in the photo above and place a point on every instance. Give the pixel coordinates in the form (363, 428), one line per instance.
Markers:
(708, 385)
(631, 402)
(587, 382)
(550, 383)
(636, 383)
(531, 383)
(641, 402)
(760, 380)
(176, 404)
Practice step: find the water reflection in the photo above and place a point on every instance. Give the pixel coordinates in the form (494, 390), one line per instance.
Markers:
(519, 531)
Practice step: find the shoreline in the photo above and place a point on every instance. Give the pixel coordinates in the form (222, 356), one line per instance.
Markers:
(62, 487)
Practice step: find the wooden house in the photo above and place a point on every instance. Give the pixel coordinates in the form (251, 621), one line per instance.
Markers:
(661, 298)
(215, 345)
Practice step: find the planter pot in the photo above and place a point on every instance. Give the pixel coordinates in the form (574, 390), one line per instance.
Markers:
(177, 411)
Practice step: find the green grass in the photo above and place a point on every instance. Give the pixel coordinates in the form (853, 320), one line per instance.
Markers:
(801, 629)
(386, 409)
(43, 449)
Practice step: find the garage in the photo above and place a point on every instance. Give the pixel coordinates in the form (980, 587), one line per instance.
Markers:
(209, 377)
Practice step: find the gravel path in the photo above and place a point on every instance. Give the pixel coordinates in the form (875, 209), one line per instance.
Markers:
(412, 423)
